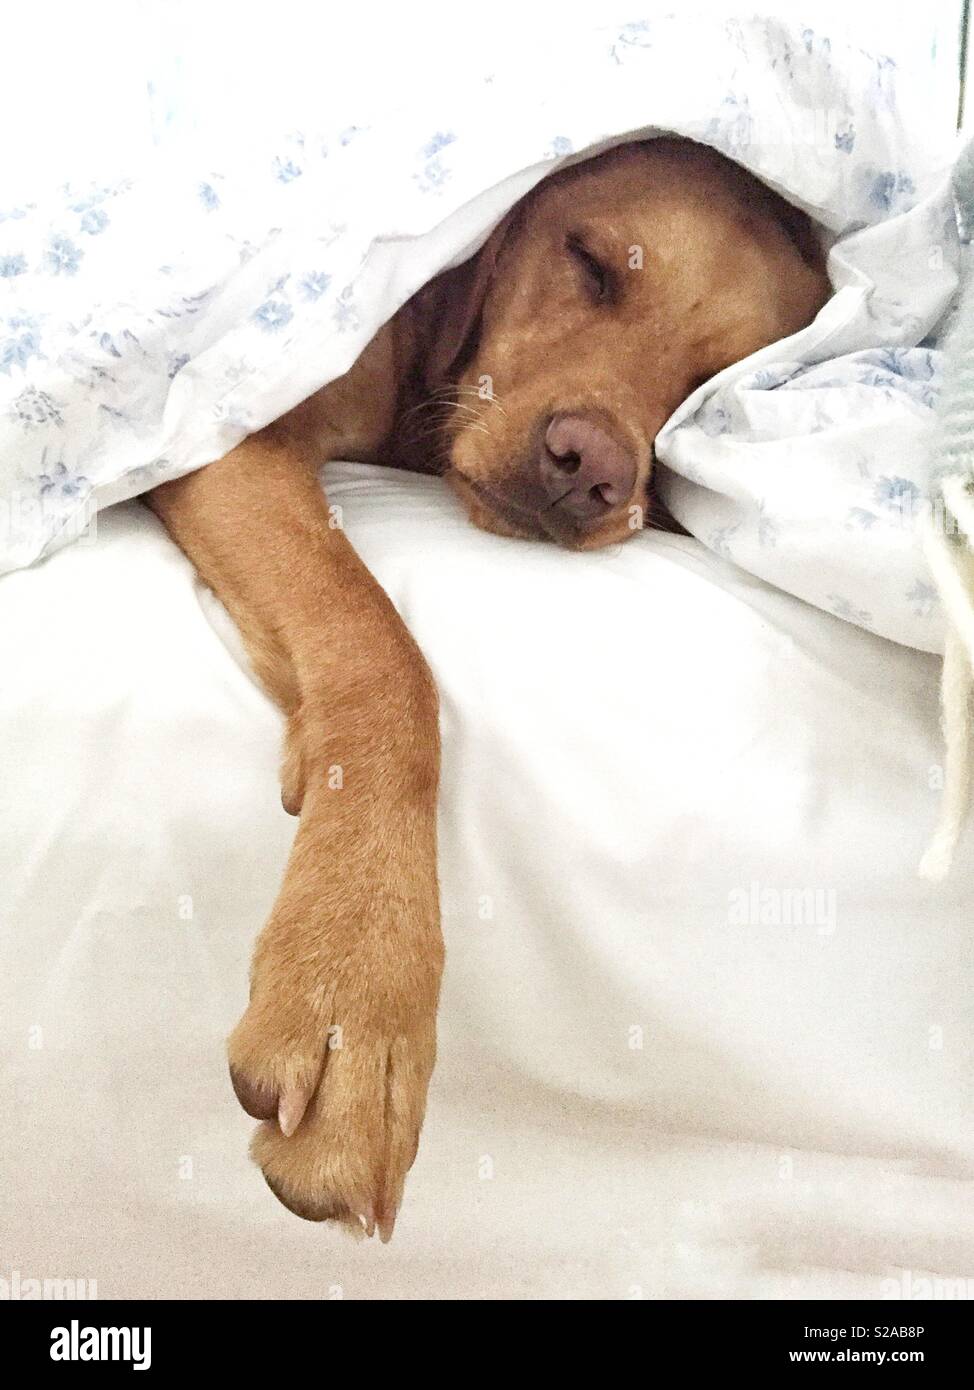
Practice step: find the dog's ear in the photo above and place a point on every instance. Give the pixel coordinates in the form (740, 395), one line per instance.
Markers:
(801, 229)
(801, 232)
(455, 304)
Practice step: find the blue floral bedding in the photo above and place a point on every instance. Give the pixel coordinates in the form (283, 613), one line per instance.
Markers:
(148, 323)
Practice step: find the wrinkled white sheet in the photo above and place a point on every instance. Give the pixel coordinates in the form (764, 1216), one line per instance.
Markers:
(148, 323)
(650, 1083)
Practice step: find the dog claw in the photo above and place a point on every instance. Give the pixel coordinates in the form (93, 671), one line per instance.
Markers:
(291, 1108)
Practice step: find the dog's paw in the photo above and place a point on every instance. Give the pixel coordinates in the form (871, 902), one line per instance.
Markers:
(348, 1158)
(342, 1103)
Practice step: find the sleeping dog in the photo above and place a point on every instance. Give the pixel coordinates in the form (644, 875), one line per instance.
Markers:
(536, 376)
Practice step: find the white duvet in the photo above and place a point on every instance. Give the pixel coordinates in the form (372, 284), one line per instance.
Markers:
(703, 1033)
(148, 322)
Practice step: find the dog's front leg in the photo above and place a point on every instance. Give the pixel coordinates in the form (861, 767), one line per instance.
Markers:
(335, 1051)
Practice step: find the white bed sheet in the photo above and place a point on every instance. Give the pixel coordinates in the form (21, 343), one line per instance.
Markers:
(644, 1089)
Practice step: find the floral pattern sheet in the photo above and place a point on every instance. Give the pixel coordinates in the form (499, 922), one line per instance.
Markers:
(147, 324)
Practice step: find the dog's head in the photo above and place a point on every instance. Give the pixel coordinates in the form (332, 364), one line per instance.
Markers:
(597, 306)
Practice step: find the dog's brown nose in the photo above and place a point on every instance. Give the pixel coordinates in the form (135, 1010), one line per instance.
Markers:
(584, 470)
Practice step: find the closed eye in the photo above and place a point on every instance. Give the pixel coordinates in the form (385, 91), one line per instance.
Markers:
(598, 277)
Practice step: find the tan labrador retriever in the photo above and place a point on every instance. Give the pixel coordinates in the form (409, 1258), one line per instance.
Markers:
(536, 376)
